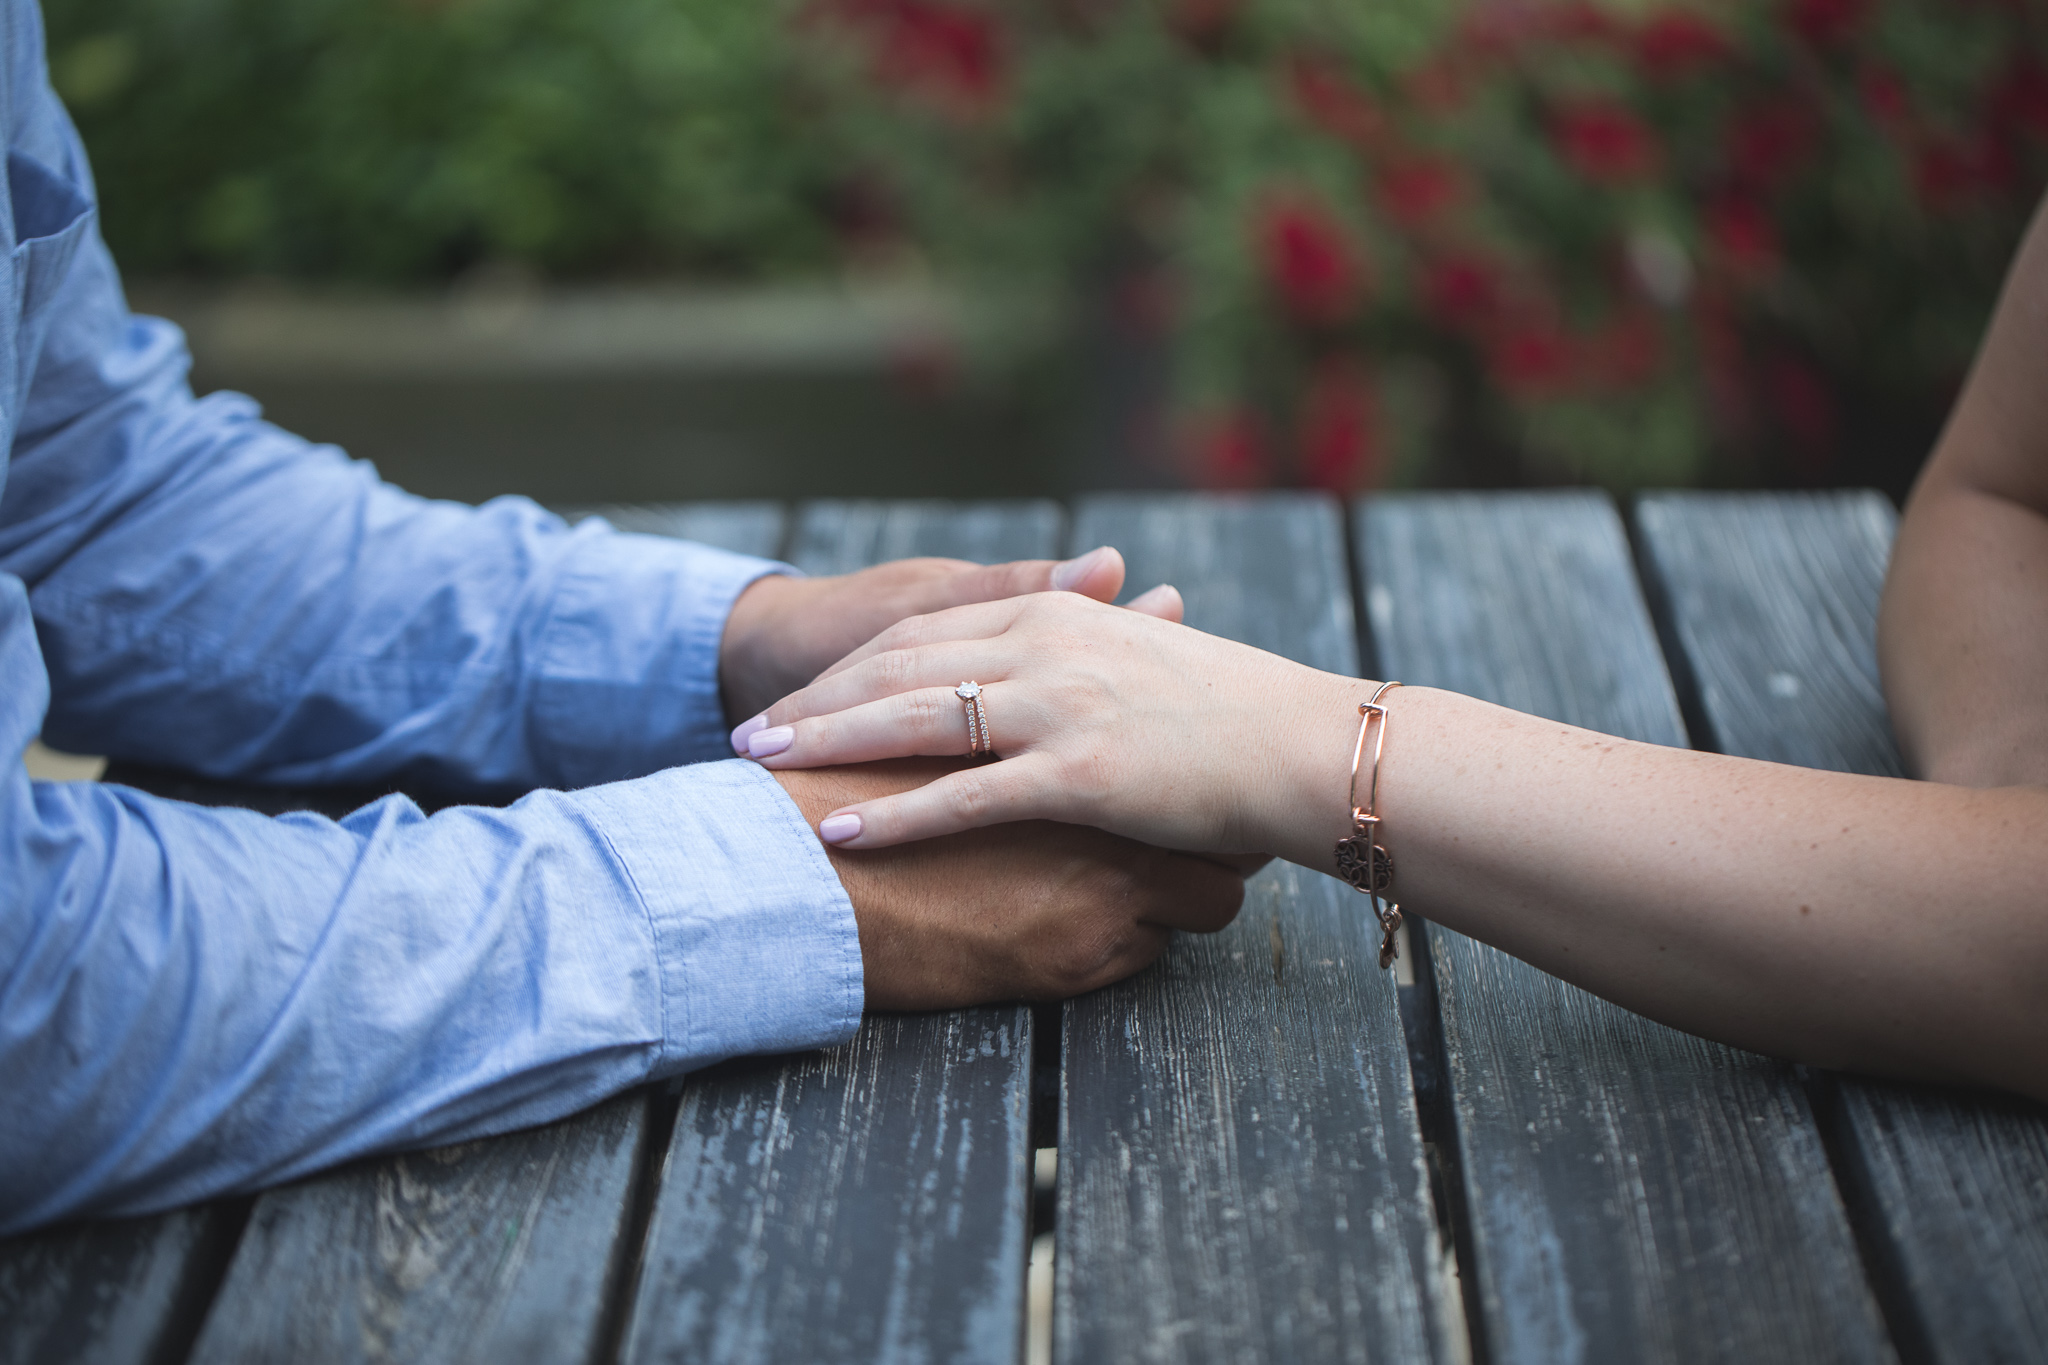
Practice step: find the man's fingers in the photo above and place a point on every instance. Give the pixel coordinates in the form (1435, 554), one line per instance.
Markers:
(1193, 893)
(989, 794)
(1098, 574)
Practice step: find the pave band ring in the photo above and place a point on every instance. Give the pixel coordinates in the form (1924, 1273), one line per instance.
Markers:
(978, 742)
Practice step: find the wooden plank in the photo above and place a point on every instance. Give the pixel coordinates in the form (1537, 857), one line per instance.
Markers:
(1773, 601)
(515, 1248)
(1631, 1193)
(1242, 1175)
(841, 536)
(506, 1249)
(750, 528)
(113, 1293)
(869, 1202)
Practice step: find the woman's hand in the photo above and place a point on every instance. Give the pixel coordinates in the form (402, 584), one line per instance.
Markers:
(782, 630)
(1102, 716)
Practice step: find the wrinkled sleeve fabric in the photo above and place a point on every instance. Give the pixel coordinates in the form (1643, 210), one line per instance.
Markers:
(195, 1002)
(199, 1001)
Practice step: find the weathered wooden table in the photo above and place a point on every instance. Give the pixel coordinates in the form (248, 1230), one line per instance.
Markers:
(1268, 1149)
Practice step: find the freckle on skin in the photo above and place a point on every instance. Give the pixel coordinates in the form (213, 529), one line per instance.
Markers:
(1805, 909)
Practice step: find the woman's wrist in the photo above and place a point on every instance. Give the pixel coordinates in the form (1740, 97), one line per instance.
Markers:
(1308, 812)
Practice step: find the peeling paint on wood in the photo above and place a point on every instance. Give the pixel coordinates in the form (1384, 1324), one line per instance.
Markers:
(1633, 1193)
(869, 1202)
(501, 1250)
(114, 1293)
(1241, 1170)
(1759, 589)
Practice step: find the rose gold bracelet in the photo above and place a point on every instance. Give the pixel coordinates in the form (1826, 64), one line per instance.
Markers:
(1361, 861)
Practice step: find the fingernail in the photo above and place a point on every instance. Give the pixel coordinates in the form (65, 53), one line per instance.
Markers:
(768, 743)
(744, 731)
(1065, 576)
(837, 829)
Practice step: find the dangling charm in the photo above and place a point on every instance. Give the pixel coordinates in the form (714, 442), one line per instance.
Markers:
(1369, 870)
(1361, 861)
(1351, 863)
(1390, 924)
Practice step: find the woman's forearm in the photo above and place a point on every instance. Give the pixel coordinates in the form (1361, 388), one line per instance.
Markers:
(1868, 923)
(1963, 632)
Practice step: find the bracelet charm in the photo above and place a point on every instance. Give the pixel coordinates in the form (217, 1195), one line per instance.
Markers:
(1361, 861)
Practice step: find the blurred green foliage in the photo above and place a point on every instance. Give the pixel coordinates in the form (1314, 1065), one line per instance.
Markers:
(1631, 241)
(400, 140)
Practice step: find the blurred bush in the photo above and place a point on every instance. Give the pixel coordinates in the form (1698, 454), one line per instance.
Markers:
(1636, 243)
(407, 140)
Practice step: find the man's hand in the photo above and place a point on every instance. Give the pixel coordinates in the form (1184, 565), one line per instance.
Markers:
(784, 631)
(1031, 911)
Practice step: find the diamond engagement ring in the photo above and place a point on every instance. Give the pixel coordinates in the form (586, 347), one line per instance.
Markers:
(978, 741)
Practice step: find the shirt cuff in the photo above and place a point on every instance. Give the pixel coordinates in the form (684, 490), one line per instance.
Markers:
(627, 676)
(754, 935)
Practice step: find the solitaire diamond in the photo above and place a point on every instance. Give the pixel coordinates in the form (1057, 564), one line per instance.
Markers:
(967, 691)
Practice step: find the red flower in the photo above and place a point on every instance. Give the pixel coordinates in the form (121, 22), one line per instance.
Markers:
(1533, 361)
(1604, 141)
(2020, 101)
(1741, 234)
(1948, 173)
(1333, 102)
(1581, 21)
(1678, 41)
(1437, 86)
(1626, 351)
(1824, 23)
(1501, 27)
(1804, 407)
(1228, 450)
(1203, 23)
(1885, 97)
(1719, 344)
(1413, 192)
(949, 52)
(1461, 291)
(1339, 427)
(1771, 141)
(1308, 260)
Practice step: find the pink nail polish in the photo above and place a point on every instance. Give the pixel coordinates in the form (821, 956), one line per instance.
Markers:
(837, 829)
(744, 730)
(1065, 576)
(768, 743)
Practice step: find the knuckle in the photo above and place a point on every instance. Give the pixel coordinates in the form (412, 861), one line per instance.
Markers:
(907, 633)
(1088, 962)
(894, 670)
(974, 796)
(1087, 776)
(926, 710)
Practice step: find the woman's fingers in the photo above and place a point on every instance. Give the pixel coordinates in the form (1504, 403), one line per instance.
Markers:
(893, 674)
(992, 794)
(981, 620)
(975, 621)
(928, 722)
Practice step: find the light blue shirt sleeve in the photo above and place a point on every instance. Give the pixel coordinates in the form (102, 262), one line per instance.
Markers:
(196, 1001)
